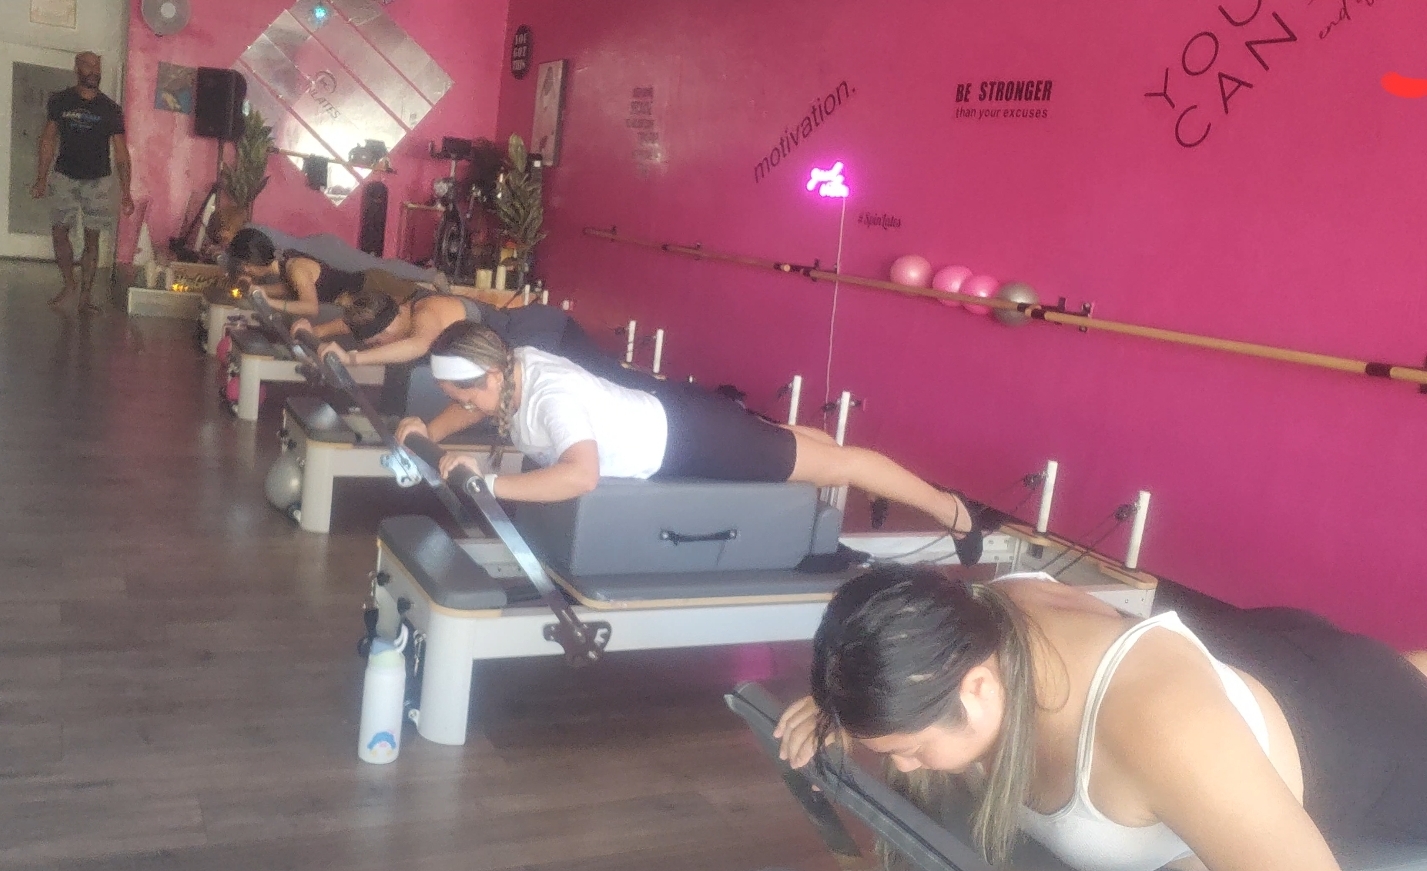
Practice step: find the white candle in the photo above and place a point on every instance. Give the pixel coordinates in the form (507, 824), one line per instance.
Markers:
(1047, 494)
(629, 343)
(525, 295)
(500, 278)
(844, 405)
(658, 349)
(795, 396)
(1137, 531)
(545, 296)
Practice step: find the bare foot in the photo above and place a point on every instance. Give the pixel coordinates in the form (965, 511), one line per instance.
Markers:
(87, 305)
(60, 297)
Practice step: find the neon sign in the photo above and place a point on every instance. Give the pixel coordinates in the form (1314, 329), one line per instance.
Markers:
(829, 182)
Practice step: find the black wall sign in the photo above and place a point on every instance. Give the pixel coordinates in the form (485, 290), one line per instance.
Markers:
(520, 48)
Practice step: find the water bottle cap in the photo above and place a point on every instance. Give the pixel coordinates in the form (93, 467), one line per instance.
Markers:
(384, 655)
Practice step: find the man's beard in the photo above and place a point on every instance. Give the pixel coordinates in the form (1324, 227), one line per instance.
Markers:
(89, 81)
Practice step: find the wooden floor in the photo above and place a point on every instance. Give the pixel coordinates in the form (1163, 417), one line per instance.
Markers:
(178, 676)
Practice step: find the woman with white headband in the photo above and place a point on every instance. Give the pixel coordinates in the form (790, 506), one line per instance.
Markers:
(578, 427)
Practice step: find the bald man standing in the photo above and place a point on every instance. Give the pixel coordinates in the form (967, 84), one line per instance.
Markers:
(83, 125)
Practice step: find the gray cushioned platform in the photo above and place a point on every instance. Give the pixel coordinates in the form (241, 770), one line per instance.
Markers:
(251, 340)
(627, 526)
(320, 421)
(448, 574)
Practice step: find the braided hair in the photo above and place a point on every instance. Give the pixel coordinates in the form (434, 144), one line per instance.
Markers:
(482, 346)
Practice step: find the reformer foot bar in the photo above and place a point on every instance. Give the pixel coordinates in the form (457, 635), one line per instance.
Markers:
(927, 844)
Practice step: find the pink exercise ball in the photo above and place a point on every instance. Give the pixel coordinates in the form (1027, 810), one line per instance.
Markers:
(913, 270)
(950, 279)
(983, 286)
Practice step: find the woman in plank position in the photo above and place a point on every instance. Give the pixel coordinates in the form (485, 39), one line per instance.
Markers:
(1257, 741)
(390, 332)
(306, 282)
(579, 427)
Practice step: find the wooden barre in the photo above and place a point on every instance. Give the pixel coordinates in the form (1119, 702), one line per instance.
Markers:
(1040, 312)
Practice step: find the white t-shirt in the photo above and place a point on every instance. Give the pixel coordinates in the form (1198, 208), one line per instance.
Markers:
(562, 404)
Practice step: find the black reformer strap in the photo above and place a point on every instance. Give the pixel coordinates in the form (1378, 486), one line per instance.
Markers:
(583, 642)
(925, 843)
(332, 371)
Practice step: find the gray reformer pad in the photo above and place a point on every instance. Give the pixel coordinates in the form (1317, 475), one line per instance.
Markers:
(926, 843)
(632, 527)
(251, 340)
(452, 579)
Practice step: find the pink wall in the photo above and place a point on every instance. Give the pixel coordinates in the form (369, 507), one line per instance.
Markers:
(465, 37)
(1298, 221)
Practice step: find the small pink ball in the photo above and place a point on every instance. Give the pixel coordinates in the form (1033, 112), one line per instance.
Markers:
(913, 270)
(983, 286)
(950, 279)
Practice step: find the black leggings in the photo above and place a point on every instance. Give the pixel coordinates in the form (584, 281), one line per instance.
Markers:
(1357, 709)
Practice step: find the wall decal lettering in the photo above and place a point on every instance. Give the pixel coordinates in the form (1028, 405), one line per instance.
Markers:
(883, 220)
(818, 112)
(647, 149)
(1013, 91)
(1203, 51)
(1342, 12)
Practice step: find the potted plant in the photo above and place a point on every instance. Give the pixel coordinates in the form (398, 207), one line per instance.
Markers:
(242, 180)
(519, 208)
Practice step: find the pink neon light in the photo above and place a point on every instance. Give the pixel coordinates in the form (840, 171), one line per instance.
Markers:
(831, 181)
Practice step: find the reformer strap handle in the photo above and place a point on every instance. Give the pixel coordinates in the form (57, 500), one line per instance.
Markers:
(583, 643)
(678, 538)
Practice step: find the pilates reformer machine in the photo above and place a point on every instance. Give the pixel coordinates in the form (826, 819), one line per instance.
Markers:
(927, 844)
(637, 565)
(263, 354)
(321, 444)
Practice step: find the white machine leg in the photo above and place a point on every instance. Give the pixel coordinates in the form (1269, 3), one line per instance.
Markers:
(249, 388)
(446, 679)
(316, 489)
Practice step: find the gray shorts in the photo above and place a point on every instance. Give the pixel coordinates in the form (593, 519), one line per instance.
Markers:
(93, 198)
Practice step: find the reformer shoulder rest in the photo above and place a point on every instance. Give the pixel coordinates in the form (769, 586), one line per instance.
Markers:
(928, 844)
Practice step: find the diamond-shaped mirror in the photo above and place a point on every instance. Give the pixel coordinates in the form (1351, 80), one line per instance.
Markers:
(340, 80)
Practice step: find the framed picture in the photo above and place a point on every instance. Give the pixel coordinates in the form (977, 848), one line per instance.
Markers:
(545, 135)
(173, 91)
(55, 13)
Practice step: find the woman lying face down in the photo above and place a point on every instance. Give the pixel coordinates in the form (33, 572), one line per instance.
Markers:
(1118, 743)
(580, 427)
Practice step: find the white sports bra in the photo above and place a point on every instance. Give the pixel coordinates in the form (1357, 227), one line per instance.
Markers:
(1085, 838)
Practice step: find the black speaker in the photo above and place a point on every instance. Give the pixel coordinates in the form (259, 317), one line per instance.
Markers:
(218, 103)
(372, 237)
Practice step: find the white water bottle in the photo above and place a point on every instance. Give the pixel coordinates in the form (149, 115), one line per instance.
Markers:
(383, 701)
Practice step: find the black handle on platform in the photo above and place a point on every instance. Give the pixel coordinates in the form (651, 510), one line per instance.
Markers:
(680, 538)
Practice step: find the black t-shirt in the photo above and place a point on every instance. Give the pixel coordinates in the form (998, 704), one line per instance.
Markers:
(84, 130)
